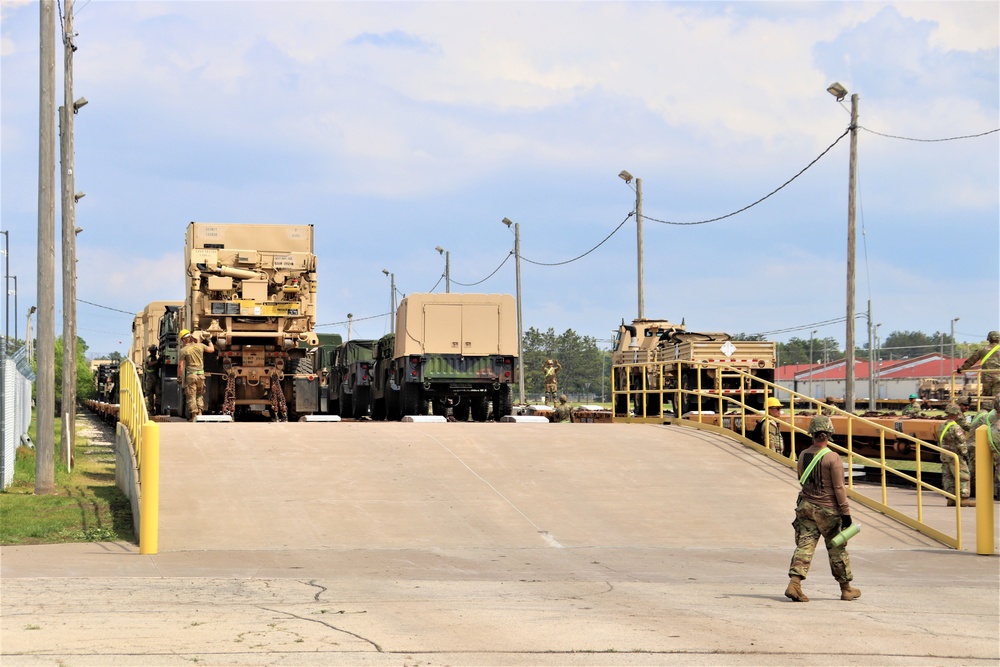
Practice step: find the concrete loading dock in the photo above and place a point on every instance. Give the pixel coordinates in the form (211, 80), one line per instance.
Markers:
(471, 544)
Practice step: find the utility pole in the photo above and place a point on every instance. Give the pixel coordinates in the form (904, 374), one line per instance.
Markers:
(627, 177)
(68, 180)
(45, 379)
(851, 196)
(520, 331)
(3, 348)
(350, 322)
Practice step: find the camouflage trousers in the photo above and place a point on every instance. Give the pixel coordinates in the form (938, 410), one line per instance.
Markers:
(811, 522)
(550, 392)
(149, 390)
(194, 389)
(948, 475)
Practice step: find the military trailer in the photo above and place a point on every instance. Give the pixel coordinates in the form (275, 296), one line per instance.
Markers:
(251, 289)
(641, 348)
(455, 351)
(351, 377)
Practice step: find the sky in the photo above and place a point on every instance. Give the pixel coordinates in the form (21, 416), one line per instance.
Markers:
(397, 127)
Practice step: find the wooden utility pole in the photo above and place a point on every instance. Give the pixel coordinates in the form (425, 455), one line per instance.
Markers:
(46, 375)
(68, 180)
(851, 244)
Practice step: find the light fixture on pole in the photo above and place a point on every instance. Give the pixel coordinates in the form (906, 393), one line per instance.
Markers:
(811, 334)
(627, 177)
(952, 331)
(840, 93)
(520, 333)
(15, 309)
(447, 268)
(392, 287)
(350, 322)
(6, 296)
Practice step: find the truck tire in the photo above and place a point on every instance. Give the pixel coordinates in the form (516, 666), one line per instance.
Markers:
(410, 400)
(461, 410)
(480, 407)
(361, 400)
(378, 409)
(502, 402)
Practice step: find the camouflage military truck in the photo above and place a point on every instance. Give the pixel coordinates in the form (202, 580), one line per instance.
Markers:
(321, 361)
(384, 392)
(252, 290)
(351, 377)
(454, 350)
(640, 347)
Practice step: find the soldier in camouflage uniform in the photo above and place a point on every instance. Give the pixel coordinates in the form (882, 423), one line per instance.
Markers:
(993, 438)
(151, 379)
(551, 367)
(191, 370)
(988, 357)
(913, 409)
(951, 437)
(772, 423)
(822, 510)
(563, 412)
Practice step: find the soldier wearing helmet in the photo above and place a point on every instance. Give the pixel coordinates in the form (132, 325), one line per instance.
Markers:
(951, 438)
(550, 368)
(822, 511)
(563, 412)
(151, 379)
(191, 371)
(913, 409)
(768, 431)
(988, 358)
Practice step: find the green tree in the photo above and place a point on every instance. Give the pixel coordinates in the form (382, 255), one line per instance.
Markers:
(84, 378)
(580, 357)
(910, 344)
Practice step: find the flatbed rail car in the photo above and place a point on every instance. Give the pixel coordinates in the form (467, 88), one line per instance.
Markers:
(866, 438)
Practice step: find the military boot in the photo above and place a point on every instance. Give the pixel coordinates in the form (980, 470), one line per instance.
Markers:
(794, 590)
(848, 593)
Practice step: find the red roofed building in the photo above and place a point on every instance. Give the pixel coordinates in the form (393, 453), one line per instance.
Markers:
(895, 379)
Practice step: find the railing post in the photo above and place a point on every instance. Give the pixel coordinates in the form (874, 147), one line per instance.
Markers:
(984, 493)
(149, 485)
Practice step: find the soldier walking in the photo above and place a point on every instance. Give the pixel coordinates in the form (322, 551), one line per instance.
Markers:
(951, 437)
(191, 369)
(151, 379)
(822, 510)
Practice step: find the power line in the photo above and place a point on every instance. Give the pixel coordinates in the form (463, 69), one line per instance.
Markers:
(965, 136)
(356, 319)
(487, 277)
(584, 254)
(106, 307)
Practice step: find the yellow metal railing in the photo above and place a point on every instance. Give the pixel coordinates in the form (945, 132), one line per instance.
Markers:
(715, 407)
(975, 400)
(145, 437)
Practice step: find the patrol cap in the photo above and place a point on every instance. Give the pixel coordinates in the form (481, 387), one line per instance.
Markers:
(820, 424)
(952, 409)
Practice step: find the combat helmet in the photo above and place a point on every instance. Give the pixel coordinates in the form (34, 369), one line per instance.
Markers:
(952, 410)
(993, 337)
(152, 348)
(820, 424)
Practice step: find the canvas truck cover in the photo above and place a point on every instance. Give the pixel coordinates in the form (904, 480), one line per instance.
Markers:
(463, 324)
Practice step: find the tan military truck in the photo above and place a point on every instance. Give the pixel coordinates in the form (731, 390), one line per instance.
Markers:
(641, 347)
(455, 351)
(251, 289)
(146, 332)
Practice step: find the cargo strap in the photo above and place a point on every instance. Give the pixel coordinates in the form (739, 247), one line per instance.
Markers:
(812, 464)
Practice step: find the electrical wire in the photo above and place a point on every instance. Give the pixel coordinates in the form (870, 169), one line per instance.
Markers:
(487, 277)
(965, 136)
(748, 206)
(584, 254)
(356, 319)
(106, 307)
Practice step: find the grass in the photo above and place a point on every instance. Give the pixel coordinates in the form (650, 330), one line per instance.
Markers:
(85, 506)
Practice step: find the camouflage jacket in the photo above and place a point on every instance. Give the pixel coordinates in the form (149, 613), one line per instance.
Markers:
(992, 361)
(911, 410)
(951, 436)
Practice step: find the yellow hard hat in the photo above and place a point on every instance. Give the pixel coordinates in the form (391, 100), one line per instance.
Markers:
(772, 403)
(184, 334)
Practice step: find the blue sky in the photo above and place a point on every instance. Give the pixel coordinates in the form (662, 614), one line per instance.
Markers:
(397, 127)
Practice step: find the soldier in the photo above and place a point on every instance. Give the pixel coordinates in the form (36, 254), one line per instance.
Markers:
(563, 413)
(951, 437)
(993, 438)
(151, 379)
(551, 367)
(822, 510)
(988, 357)
(771, 423)
(913, 409)
(191, 370)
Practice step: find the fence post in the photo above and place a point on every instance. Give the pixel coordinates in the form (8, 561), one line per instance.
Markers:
(149, 485)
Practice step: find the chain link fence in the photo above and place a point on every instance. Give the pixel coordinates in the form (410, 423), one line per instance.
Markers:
(15, 407)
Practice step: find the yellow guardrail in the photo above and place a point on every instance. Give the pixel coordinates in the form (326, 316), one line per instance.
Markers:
(975, 400)
(732, 403)
(145, 437)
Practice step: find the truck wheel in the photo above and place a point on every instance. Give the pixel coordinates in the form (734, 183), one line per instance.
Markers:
(409, 400)
(378, 409)
(461, 410)
(361, 401)
(502, 402)
(480, 407)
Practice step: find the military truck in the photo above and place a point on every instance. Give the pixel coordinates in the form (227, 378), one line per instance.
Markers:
(351, 377)
(456, 351)
(321, 360)
(251, 289)
(640, 347)
(147, 331)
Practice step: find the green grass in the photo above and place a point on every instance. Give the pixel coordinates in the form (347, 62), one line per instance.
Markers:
(85, 505)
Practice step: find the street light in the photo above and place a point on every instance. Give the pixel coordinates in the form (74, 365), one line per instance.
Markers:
(447, 268)
(952, 331)
(392, 300)
(15, 310)
(627, 177)
(520, 333)
(811, 333)
(840, 93)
